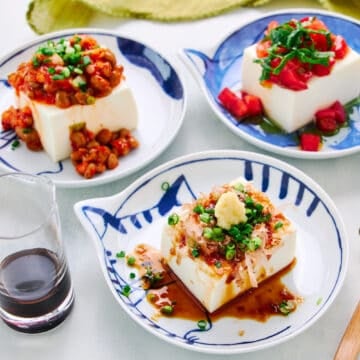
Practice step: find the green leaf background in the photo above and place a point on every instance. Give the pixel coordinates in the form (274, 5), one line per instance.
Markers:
(45, 16)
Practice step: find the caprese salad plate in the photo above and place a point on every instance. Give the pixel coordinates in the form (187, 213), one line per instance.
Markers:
(220, 67)
(156, 86)
(137, 215)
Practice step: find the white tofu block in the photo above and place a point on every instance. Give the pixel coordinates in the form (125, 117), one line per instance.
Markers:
(115, 111)
(292, 110)
(210, 285)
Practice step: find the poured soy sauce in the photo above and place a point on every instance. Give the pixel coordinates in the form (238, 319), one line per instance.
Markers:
(33, 283)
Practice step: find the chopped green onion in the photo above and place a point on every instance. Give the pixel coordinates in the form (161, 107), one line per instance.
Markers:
(78, 71)
(208, 233)
(278, 225)
(165, 186)
(35, 61)
(254, 243)
(90, 100)
(15, 144)
(47, 51)
(69, 50)
(132, 275)
(86, 60)
(167, 309)
(195, 252)
(58, 77)
(173, 219)
(120, 254)
(286, 307)
(239, 187)
(131, 260)
(151, 297)
(218, 264)
(205, 217)
(66, 72)
(73, 58)
(218, 233)
(126, 290)
(76, 40)
(202, 324)
(51, 70)
(230, 251)
(199, 209)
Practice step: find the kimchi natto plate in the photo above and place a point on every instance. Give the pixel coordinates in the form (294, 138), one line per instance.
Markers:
(158, 91)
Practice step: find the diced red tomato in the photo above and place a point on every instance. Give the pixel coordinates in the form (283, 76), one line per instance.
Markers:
(314, 23)
(328, 120)
(293, 76)
(320, 42)
(291, 80)
(326, 124)
(233, 103)
(340, 113)
(310, 142)
(254, 104)
(328, 112)
(340, 47)
(271, 26)
(227, 97)
(323, 70)
(240, 106)
(262, 48)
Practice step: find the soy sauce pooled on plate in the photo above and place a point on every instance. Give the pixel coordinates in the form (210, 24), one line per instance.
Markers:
(169, 297)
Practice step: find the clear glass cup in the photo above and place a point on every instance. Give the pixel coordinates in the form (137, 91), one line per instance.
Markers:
(36, 293)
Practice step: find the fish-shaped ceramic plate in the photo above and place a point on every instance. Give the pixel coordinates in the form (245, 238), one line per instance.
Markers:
(158, 91)
(219, 67)
(139, 213)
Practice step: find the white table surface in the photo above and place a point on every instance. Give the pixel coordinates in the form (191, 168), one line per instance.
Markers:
(98, 328)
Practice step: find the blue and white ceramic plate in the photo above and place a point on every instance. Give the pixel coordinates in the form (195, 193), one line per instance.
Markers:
(158, 91)
(138, 214)
(220, 67)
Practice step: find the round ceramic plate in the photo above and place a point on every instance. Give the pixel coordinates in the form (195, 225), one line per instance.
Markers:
(220, 67)
(139, 213)
(158, 91)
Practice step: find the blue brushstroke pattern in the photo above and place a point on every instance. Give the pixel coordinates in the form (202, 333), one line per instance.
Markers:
(142, 56)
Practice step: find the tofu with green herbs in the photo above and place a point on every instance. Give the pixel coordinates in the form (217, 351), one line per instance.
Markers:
(226, 242)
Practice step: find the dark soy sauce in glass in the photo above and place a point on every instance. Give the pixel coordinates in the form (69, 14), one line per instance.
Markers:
(33, 283)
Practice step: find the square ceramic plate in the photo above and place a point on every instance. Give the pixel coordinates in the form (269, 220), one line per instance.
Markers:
(139, 213)
(158, 92)
(220, 67)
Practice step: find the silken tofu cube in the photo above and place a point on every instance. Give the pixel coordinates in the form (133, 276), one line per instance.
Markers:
(115, 111)
(292, 110)
(215, 286)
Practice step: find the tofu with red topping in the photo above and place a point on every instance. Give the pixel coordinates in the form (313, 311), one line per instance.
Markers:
(291, 109)
(226, 242)
(114, 111)
(73, 81)
(298, 68)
